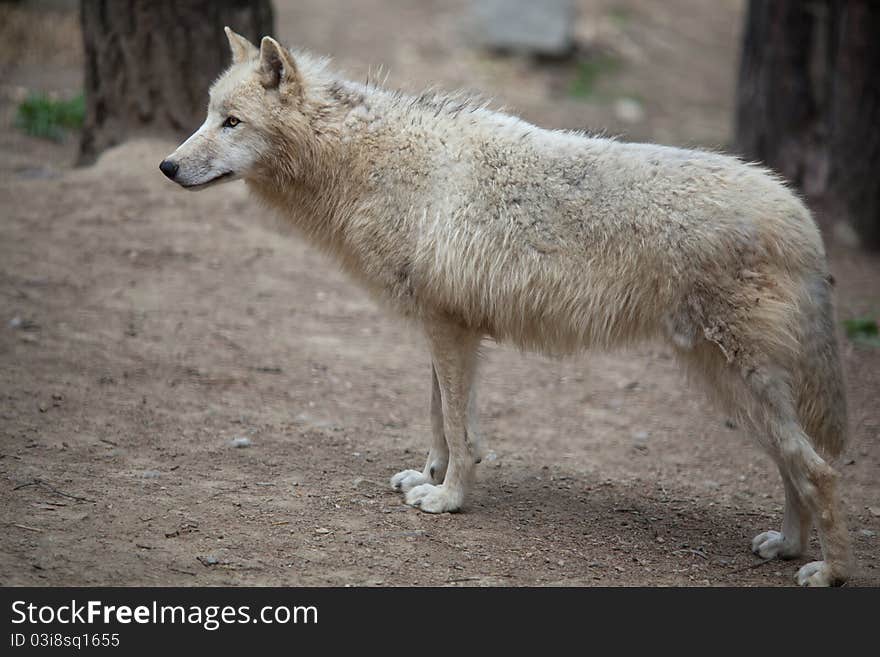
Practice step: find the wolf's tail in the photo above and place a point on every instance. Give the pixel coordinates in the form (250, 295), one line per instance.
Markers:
(821, 397)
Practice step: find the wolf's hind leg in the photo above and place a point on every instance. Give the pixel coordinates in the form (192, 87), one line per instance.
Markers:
(475, 436)
(454, 351)
(438, 458)
(811, 484)
(796, 523)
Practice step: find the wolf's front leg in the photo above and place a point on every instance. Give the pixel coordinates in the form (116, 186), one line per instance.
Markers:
(454, 351)
(438, 457)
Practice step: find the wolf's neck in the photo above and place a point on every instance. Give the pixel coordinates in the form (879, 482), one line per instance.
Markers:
(364, 157)
(319, 207)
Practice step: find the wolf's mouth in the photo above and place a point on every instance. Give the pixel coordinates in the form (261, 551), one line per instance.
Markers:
(212, 181)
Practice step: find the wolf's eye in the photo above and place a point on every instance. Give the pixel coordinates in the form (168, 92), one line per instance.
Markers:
(231, 122)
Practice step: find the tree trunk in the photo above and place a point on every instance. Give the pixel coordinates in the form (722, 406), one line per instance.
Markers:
(808, 103)
(149, 63)
(854, 121)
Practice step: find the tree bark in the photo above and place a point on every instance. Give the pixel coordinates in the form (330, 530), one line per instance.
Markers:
(776, 105)
(808, 102)
(854, 120)
(149, 63)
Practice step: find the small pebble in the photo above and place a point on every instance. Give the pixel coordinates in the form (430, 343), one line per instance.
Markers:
(640, 440)
(240, 441)
(867, 533)
(629, 110)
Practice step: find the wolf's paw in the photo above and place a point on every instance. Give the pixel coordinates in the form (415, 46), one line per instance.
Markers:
(435, 499)
(405, 480)
(819, 573)
(771, 544)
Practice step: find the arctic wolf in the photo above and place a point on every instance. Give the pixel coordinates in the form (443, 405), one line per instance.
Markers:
(476, 224)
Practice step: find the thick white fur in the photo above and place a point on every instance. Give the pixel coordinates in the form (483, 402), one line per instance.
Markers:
(474, 223)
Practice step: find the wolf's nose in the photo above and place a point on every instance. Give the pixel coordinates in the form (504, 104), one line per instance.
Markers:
(169, 168)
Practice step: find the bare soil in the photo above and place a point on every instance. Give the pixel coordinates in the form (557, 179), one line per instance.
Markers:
(143, 329)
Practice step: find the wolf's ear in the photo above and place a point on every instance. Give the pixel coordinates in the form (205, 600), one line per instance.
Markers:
(277, 68)
(242, 49)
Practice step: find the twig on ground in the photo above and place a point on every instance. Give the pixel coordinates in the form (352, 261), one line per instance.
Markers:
(751, 566)
(40, 482)
(699, 553)
(180, 570)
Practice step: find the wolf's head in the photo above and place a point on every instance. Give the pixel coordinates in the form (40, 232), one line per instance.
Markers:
(259, 97)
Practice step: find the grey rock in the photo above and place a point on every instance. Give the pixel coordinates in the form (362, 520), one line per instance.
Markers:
(38, 173)
(524, 26)
(845, 234)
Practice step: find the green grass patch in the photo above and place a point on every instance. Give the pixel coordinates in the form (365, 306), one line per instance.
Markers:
(587, 74)
(50, 118)
(863, 330)
(620, 16)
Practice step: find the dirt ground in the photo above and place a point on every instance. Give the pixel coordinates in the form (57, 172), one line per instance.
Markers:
(143, 329)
